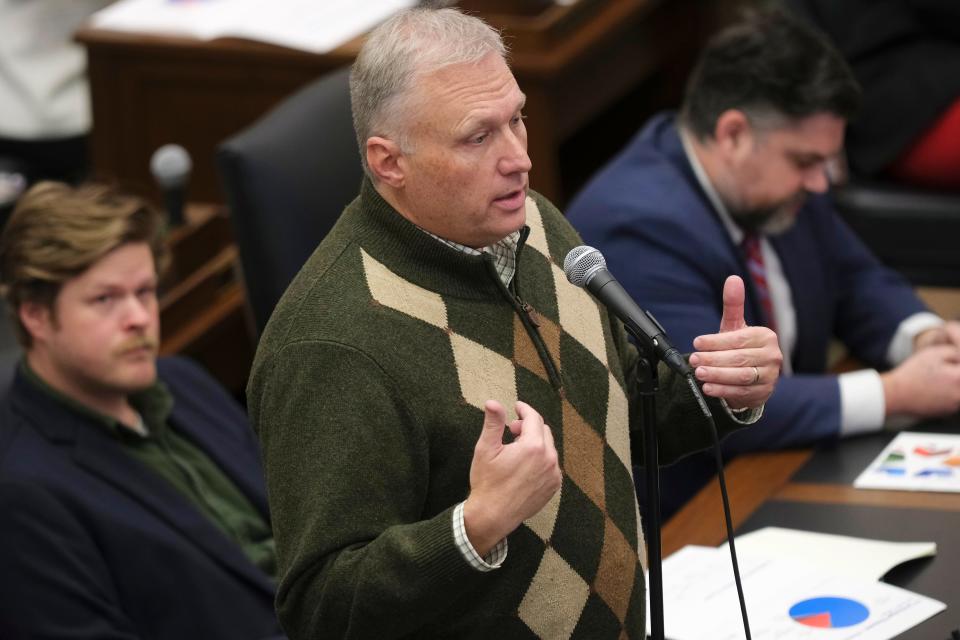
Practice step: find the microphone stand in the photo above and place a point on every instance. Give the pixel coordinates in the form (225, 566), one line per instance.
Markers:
(648, 384)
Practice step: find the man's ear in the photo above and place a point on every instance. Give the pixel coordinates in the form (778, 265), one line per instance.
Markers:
(733, 135)
(384, 158)
(37, 319)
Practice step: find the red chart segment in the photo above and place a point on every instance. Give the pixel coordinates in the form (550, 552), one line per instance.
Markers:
(829, 612)
(816, 620)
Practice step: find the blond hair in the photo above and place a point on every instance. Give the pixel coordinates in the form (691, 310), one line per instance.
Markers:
(56, 232)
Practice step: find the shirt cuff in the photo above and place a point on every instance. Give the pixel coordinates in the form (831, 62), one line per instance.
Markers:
(901, 346)
(747, 415)
(492, 561)
(862, 404)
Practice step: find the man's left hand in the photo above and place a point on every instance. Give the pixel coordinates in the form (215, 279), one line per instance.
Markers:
(739, 363)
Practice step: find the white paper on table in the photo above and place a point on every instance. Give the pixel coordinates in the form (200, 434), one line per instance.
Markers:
(309, 25)
(700, 599)
(915, 462)
(859, 558)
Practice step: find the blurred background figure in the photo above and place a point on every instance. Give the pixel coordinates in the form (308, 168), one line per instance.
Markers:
(906, 56)
(44, 97)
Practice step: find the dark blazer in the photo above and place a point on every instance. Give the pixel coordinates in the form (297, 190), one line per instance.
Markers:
(93, 544)
(662, 239)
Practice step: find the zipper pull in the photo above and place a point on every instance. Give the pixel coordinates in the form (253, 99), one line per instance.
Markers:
(531, 313)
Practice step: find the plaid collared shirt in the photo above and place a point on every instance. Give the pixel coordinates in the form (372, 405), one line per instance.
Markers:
(504, 254)
(491, 561)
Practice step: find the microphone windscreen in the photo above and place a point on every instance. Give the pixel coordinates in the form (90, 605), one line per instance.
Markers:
(170, 166)
(582, 263)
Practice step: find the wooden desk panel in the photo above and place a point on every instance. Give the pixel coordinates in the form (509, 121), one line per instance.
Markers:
(148, 91)
(203, 311)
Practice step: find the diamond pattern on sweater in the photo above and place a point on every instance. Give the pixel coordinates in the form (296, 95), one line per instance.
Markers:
(618, 412)
(552, 605)
(598, 621)
(594, 450)
(537, 239)
(583, 455)
(583, 449)
(641, 542)
(544, 522)
(484, 374)
(550, 331)
(614, 582)
(579, 315)
(524, 352)
(392, 291)
(578, 534)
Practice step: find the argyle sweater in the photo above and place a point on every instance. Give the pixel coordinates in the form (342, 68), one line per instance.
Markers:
(367, 394)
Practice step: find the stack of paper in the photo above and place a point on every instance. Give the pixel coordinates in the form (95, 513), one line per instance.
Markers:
(796, 585)
(299, 24)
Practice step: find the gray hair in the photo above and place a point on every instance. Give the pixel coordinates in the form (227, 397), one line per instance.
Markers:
(412, 43)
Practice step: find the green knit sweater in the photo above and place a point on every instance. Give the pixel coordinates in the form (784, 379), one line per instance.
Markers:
(367, 394)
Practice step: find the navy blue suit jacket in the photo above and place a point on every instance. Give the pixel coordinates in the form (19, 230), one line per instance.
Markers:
(93, 544)
(662, 239)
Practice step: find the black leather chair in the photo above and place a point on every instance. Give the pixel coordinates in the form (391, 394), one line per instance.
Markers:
(287, 178)
(915, 232)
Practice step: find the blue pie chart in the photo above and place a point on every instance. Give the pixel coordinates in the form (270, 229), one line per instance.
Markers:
(829, 612)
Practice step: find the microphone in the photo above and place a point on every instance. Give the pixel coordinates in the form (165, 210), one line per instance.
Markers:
(586, 268)
(170, 166)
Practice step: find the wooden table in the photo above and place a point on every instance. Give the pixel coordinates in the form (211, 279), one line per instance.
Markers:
(813, 490)
(574, 62)
(752, 480)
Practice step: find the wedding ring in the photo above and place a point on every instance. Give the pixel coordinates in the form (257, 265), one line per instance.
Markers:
(756, 376)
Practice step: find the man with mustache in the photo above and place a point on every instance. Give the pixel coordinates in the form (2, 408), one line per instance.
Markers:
(737, 184)
(131, 492)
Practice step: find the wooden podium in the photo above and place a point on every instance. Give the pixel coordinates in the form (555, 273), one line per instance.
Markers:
(574, 62)
(202, 304)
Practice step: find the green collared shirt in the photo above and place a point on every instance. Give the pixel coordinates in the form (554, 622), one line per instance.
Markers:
(182, 464)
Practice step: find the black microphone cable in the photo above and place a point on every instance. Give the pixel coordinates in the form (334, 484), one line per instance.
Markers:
(718, 458)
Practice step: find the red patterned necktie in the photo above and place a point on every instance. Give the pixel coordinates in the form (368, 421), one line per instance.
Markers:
(758, 271)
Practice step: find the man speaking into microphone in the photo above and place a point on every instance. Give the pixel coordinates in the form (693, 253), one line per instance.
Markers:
(445, 419)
